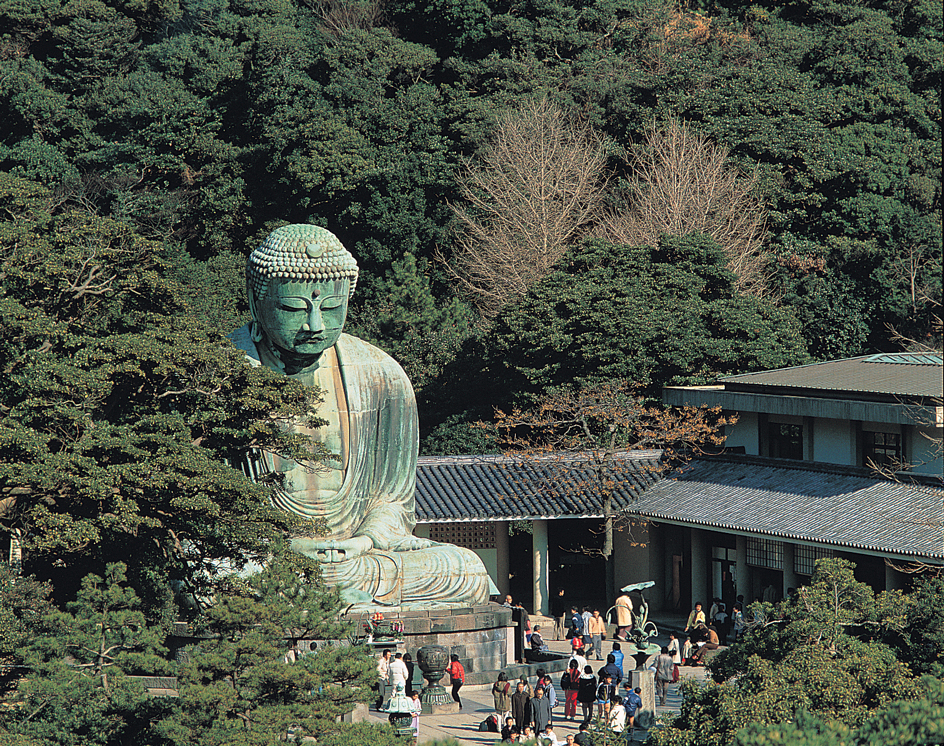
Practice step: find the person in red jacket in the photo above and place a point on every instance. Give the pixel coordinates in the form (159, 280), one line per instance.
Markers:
(456, 678)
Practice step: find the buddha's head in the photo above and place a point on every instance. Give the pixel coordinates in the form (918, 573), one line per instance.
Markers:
(299, 283)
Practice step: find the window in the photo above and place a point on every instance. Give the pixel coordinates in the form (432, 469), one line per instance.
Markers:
(881, 449)
(785, 441)
(765, 553)
(804, 558)
(471, 535)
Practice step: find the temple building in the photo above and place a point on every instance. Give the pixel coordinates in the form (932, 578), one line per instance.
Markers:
(841, 458)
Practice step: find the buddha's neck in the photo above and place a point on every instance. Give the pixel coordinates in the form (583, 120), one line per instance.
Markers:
(289, 362)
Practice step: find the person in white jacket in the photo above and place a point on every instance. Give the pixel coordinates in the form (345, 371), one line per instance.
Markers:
(397, 671)
(674, 649)
(617, 716)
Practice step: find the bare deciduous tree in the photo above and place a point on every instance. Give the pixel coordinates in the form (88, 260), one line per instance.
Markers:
(683, 183)
(533, 190)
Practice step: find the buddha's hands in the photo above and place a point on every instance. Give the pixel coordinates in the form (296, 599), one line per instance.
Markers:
(333, 550)
(412, 543)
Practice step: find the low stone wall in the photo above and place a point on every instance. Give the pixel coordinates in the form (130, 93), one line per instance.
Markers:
(479, 635)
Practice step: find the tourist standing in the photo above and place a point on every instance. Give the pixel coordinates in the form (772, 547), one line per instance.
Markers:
(383, 678)
(397, 672)
(501, 696)
(539, 710)
(519, 705)
(674, 649)
(632, 703)
(618, 658)
(606, 690)
(585, 618)
(456, 678)
(665, 673)
(624, 616)
(617, 717)
(560, 615)
(597, 629)
(416, 707)
(570, 685)
(549, 692)
(410, 668)
(738, 619)
(611, 670)
(577, 655)
(587, 692)
(576, 625)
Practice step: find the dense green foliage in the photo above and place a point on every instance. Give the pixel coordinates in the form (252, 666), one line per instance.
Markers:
(820, 667)
(146, 145)
(652, 316)
(120, 410)
(203, 122)
(241, 684)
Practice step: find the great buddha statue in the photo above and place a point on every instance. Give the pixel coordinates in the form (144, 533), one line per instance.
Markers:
(299, 283)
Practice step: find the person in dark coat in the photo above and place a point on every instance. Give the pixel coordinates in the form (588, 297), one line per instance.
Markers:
(587, 692)
(519, 705)
(410, 668)
(520, 617)
(611, 669)
(539, 710)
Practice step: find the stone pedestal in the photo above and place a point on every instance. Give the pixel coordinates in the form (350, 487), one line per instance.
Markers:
(479, 635)
(432, 661)
(645, 680)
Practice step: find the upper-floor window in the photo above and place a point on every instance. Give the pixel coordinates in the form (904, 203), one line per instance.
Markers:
(881, 449)
(785, 441)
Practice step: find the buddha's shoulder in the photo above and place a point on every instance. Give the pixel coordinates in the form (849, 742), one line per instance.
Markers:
(355, 353)
(242, 340)
(356, 348)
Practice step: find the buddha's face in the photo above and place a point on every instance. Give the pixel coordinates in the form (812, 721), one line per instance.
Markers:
(303, 317)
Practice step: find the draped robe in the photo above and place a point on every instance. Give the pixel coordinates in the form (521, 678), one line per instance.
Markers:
(380, 433)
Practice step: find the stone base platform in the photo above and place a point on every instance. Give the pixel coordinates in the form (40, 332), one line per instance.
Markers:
(479, 635)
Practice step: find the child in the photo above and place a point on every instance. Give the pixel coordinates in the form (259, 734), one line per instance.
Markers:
(686, 650)
(416, 707)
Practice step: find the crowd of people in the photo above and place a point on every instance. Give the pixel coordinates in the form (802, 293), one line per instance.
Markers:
(525, 710)
(602, 696)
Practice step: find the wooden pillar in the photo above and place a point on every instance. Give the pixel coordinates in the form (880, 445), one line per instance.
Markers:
(743, 581)
(539, 553)
(789, 565)
(501, 558)
(699, 570)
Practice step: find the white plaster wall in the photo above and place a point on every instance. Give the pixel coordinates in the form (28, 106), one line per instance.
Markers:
(924, 445)
(744, 433)
(834, 441)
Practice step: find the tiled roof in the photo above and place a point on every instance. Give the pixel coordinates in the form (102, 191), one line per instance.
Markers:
(823, 504)
(832, 506)
(894, 374)
(497, 488)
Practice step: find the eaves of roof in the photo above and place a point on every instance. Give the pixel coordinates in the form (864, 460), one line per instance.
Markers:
(839, 507)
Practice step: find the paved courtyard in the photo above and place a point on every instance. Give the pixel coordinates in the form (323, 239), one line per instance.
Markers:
(477, 705)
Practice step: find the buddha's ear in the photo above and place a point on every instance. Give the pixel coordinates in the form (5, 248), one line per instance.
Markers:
(255, 329)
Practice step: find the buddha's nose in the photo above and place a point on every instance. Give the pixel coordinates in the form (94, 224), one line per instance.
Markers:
(314, 323)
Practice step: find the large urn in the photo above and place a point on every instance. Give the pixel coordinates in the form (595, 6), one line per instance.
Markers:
(433, 660)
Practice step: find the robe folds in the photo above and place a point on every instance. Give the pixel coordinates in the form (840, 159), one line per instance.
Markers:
(376, 498)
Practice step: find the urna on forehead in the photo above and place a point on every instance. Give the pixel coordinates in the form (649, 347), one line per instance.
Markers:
(300, 253)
